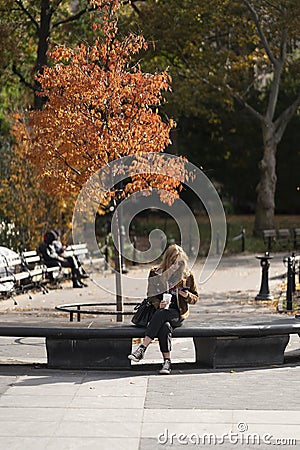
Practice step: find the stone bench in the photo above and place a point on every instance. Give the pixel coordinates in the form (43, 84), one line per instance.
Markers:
(92, 345)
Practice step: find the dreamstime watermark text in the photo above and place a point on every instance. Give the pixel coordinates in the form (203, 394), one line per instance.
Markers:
(241, 437)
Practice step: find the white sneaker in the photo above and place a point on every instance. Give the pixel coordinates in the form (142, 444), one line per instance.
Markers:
(166, 367)
(138, 354)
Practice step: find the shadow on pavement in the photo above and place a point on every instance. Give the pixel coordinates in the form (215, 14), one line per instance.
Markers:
(39, 374)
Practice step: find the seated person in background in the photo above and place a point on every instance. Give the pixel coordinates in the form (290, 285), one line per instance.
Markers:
(60, 249)
(58, 245)
(52, 258)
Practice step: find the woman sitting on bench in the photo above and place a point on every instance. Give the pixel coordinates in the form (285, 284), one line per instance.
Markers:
(171, 277)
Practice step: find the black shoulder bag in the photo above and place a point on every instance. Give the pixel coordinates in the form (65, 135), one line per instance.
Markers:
(143, 313)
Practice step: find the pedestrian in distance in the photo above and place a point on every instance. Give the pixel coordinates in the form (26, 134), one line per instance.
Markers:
(171, 277)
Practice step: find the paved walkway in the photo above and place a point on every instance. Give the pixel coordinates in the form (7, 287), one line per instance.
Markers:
(229, 408)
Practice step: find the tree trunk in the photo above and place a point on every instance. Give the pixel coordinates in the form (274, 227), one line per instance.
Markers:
(43, 44)
(265, 207)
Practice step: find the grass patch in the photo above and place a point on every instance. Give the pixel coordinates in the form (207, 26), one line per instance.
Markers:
(235, 223)
(142, 225)
(254, 244)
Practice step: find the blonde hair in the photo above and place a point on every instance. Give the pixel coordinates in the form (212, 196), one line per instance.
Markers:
(173, 254)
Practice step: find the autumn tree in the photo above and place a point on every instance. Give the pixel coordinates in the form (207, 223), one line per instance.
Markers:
(242, 53)
(27, 28)
(27, 211)
(100, 107)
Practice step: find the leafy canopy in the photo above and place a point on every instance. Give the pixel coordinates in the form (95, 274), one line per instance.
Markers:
(100, 107)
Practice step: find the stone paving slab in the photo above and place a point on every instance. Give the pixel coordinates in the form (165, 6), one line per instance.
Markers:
(94, 416)
(167, 428)
(15, 443)
(151, 444)
(253, 388)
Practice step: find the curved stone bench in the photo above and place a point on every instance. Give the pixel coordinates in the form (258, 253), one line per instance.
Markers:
(106, 346)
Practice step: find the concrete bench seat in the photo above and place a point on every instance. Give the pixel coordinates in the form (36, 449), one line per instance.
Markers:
(94, 345)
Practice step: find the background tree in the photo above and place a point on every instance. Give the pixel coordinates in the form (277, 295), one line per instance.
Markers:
(27, 27)
(30, 26)
(231, 53)
(28, 211)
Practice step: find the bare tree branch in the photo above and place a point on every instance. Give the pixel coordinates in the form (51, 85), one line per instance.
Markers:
(262, 35)
(283, 41)
(246, 105)
(28, 14)
(274, 92)
(248, 89)
(233, 93)
(74, 17)
(277, 63)
(284, 118)
(55, 8)
(64, 159)
(272, 5)
(132, 3)
(278, 68)
(135, 8)
(21, 77)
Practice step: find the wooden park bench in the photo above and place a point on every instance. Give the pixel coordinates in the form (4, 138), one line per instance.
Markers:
(284, 238)
(98, 345)
(36, 270)
(27, 270)
(81, 252)
(269, 237)
(14, 277)
(296, 238)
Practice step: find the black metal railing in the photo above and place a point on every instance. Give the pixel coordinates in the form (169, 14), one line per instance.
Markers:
(79, 309)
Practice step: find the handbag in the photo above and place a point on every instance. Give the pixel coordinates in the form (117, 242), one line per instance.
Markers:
(143, 313)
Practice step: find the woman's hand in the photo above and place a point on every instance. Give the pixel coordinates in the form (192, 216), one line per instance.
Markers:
(184, 293)
(163, 304)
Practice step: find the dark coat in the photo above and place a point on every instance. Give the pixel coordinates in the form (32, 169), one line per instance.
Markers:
(156, 289)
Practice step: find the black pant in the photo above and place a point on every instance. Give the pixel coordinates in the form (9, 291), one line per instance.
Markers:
(69, 262)
(161, 325)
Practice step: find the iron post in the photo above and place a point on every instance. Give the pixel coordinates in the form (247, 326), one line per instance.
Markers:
(264, 292)
(289, 287)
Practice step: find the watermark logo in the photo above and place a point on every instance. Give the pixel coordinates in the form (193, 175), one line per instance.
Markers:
(239, 438)
(118, 172)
